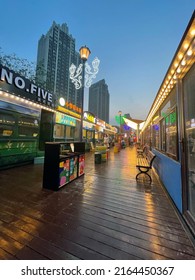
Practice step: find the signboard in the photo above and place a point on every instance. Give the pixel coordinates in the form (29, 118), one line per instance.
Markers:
(101, 123)
(64, 119)
(89, 117)
(20, 86)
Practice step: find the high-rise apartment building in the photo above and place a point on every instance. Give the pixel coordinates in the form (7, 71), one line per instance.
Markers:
(99, 100)
(56, 52)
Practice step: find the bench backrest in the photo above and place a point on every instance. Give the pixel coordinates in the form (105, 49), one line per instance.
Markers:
(150, 157)
(145, 150)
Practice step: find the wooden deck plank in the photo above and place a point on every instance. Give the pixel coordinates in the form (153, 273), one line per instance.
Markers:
(105, 214)
(6, 256)
(45, 248)
(160, 246)
(132, 222)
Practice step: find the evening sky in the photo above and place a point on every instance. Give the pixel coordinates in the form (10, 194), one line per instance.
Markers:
(135, 40)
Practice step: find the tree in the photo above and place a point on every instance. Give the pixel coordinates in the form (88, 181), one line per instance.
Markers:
(19, 65)
(23, 67)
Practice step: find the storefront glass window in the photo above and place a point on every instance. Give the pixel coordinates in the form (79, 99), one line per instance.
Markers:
(171, 134)
(162, 135)
(155, 135)
(169, 103)
(25, 131)
(28, 127)
(7, 119)
(69, 135)
(7, 122)
(59, 131)
(168, 126)
(6, 130)
(189, 122)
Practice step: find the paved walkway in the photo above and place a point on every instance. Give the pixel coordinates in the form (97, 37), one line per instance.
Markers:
(105, 214)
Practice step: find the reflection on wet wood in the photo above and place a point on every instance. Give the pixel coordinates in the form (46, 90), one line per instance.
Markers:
(105, 214)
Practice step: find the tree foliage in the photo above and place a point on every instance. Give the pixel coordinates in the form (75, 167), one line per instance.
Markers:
(19, 65)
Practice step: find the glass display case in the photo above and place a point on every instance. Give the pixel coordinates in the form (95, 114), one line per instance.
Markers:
(63, 163)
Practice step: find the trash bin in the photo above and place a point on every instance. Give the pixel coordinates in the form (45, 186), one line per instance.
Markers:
(104, 156)
(98, 157)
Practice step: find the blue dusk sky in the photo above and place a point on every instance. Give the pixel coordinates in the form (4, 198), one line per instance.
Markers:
(135, 41)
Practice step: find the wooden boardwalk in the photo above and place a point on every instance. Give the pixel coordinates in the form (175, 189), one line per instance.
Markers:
(103, 215)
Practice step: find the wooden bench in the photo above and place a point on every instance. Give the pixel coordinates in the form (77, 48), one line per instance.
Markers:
(142, 152)
(144, 164)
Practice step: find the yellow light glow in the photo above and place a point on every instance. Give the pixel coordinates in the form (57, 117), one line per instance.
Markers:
(62, 101)
(183, 62)
(189, 52)
(84, 52)
(193, 32)
(186, 46)
(180, 56)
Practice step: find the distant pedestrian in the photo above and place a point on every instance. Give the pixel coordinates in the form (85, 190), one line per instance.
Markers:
(106, 141)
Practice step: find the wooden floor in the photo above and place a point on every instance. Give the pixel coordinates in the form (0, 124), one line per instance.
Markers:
(103, 215)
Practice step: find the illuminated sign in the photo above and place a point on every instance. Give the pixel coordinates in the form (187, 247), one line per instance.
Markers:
(64, 119)
(101, 123)
(89, 117)
(64, 110)
(171, 118)
(73, 107)
(20, 86)
(108, 126)
(88, 125)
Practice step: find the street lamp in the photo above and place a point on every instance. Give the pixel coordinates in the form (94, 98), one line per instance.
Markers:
(82, 77)
(84, 54)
